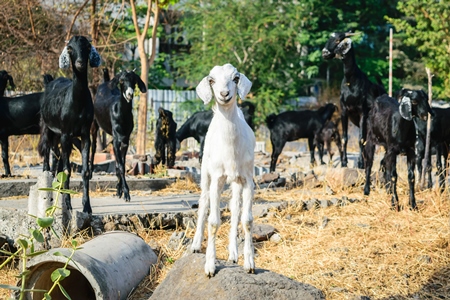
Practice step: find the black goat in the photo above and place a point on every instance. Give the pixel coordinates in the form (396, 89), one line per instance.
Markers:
(197, 125)
(440, 140)
(18, 116)
(325, 136)
(165, 138)
(5, 78)
(391, 125)
(293, 125)
(113, 113)
(67, 112)
(358, 93)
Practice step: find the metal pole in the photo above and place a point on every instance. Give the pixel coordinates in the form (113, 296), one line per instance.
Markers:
(390, 61)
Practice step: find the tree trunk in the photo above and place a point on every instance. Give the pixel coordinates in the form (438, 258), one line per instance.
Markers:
(143, 107)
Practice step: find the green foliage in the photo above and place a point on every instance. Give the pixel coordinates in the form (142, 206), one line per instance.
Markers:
(425, 26)
(26, 246)
(270, 44)
(277, 45)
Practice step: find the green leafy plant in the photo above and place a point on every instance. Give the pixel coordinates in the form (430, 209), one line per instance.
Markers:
(26, 245)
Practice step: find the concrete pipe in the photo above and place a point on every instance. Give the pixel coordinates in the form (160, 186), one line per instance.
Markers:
(109, 266)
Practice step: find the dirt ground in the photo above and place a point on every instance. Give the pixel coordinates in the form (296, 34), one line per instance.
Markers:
(361, 249)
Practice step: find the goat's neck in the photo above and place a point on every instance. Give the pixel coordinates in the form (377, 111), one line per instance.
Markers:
(80, 83)
(350, 66)
(123, 104)
(229, 112)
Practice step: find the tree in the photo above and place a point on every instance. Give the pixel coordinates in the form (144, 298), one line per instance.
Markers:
(278, 45)
(424, 25)
(147, 58)
(270, 44)
(31, 38)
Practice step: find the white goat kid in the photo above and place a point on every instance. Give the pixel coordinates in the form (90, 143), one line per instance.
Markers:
(228, 157)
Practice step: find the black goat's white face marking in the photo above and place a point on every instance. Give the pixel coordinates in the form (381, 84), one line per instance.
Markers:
(94, 58)
(128, 94)
(405, 108)
(64, 59)
(337, 46)
(343, 48)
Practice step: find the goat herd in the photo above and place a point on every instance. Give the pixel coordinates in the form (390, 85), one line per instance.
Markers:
(65, 115)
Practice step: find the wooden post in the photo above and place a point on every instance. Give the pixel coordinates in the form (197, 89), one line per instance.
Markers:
(427, 144)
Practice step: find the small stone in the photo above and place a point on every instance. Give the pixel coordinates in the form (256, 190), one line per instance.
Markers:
(324, 222)
(178, 239)
(275, 238)
(424, 259)
(262, 232)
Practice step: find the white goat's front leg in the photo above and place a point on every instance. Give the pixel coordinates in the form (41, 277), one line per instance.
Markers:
(247, 225)
(235, 205)
(213, 224)
(203, 205)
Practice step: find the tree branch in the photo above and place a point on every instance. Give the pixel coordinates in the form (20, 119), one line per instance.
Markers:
(69, 32)
(154, 31)
(31, 19)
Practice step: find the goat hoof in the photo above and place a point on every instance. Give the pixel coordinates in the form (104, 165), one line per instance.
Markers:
(396, 208)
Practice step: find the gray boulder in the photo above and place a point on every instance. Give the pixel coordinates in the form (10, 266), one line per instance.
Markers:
(187, 281)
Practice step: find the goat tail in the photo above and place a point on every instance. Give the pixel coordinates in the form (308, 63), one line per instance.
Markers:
(43, 146)
(270, 120)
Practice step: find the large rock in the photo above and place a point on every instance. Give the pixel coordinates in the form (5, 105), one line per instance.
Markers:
(187, 281)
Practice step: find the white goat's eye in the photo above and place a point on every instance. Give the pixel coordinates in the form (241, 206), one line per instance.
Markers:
(211, 81)
(236, 79)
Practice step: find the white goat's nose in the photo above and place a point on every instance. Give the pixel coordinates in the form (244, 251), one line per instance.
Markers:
(224, 94)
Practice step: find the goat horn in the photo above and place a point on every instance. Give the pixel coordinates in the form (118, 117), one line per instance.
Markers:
(347, 34)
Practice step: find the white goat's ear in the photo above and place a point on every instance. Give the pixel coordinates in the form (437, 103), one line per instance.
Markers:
(94, 58)
(204, 90)
(244, 86)
(405, 108)
(64, 59)
(345, 45)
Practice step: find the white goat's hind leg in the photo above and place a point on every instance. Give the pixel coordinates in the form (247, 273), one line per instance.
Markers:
(247, 225)
(235, 205)
(203, 205)
(213, 224)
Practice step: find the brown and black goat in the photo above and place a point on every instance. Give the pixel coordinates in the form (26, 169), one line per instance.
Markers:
(165, 138)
